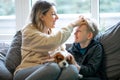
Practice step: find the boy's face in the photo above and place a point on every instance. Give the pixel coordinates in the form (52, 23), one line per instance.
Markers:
(81, 34)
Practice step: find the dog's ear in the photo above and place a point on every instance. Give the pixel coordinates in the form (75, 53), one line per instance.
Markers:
(69, 60)
(56, 54)
(58, 57)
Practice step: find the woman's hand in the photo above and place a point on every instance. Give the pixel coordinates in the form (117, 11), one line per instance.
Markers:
(78, 21)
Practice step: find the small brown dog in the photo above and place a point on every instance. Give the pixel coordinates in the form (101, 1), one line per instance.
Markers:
(60, 57)
(62, 60)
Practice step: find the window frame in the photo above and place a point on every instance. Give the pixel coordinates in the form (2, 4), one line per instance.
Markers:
(22, 8)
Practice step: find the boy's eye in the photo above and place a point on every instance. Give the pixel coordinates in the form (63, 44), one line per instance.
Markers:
(78, 31)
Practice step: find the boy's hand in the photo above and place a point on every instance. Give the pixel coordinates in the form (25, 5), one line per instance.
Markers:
(71, 59)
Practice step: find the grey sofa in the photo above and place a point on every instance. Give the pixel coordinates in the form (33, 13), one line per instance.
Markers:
(10, 54)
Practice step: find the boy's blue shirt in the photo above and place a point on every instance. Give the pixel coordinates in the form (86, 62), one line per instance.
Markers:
(82, 50)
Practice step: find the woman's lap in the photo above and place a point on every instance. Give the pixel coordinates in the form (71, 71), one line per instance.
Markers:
(46, 71)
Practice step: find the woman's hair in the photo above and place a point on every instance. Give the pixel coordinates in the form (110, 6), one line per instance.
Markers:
(41, 7)
(92, 26)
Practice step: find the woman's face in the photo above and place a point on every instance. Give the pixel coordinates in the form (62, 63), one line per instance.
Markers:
(50, 17)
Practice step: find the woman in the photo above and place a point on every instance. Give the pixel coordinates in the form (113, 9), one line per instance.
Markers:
(37, 40)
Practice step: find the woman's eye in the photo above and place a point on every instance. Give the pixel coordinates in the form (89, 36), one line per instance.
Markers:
(53, 14)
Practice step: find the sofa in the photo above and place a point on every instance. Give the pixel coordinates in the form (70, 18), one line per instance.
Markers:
(10, 54)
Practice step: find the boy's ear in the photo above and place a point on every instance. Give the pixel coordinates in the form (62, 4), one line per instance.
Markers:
(90, 35)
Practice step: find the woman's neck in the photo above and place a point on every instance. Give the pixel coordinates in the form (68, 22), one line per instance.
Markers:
(46, 30)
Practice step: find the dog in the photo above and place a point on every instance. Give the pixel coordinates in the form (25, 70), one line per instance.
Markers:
(60, 57)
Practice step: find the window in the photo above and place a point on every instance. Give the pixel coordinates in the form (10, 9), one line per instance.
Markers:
(7, 7)
(73, 6)
(69, 10)
(7, 19)
(13, 13)
(109, 13)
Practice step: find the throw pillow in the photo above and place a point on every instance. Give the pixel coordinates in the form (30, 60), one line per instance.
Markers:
(111, 43)
(4, 73)
(13, 57)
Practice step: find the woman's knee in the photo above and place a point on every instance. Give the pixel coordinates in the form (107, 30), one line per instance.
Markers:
(71, 71)
(53, 67)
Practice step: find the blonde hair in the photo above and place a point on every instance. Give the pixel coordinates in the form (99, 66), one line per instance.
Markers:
(91, 24)
(41, 7)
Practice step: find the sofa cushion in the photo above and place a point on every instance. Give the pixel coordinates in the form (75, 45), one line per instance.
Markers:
(13, 57)
(4, 73)
(111, 43)
(3, 54)
(4, 48)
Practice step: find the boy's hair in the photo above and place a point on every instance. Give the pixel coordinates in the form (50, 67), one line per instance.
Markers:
(91, 24)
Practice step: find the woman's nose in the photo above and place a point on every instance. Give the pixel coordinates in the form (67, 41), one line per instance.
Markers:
(56, 17)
